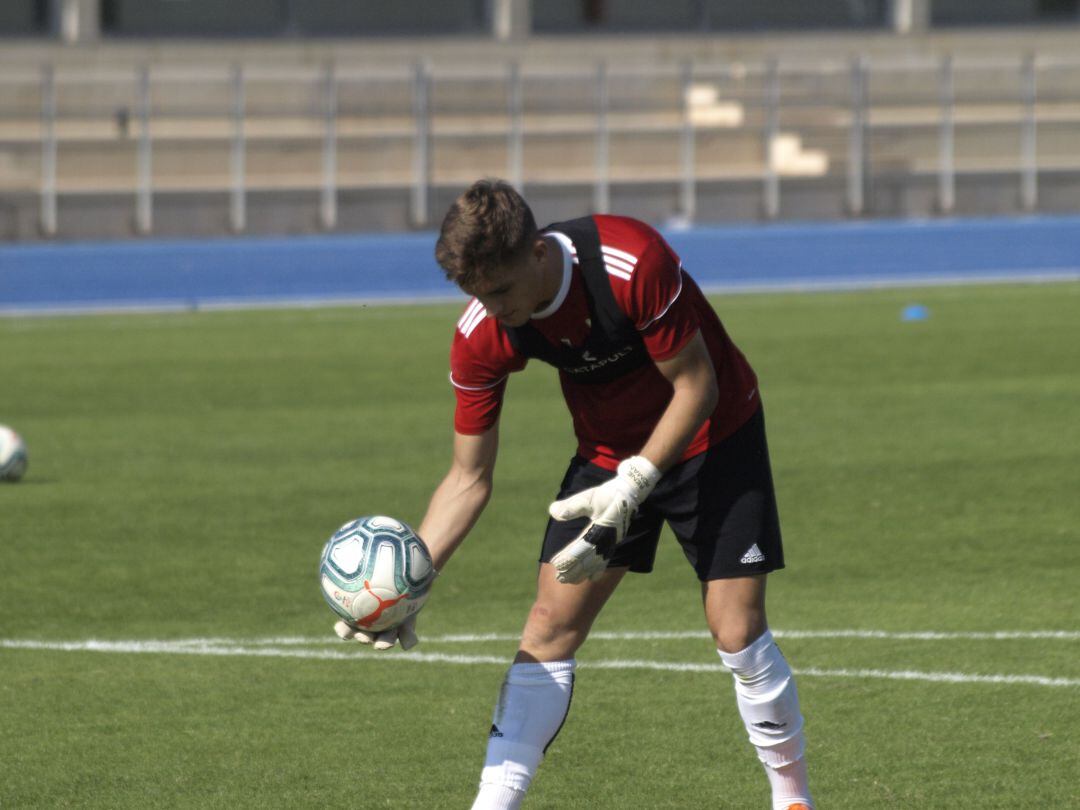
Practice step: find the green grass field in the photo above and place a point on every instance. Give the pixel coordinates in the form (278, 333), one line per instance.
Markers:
(186, 469)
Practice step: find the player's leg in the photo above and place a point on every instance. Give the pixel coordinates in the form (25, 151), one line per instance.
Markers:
(535, 696)
(764, 687)
(562, 615)
(722, 507)
(735, 611)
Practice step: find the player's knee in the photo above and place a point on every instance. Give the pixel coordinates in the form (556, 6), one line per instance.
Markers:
(729, 641)
(733, 635)
(550, 628)
(735, 627)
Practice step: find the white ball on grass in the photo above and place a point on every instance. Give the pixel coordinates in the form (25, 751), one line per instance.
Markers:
(13, 456)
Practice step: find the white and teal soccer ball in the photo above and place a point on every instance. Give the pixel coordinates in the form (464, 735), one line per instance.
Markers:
(375, 572)
(13, 457)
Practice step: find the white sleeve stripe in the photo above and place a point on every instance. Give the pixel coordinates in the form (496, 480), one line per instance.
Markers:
(621, 254)
(474, 320)
(475, 387)
(672, 301)
(611, 261)
(470, 310)
(611, 251)
(478, 316)
(468, 329)
(614, 271)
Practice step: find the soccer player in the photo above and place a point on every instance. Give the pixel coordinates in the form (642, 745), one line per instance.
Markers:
(669, 425)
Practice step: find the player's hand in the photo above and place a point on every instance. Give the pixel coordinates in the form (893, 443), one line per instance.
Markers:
(404, 633)
(610, 508)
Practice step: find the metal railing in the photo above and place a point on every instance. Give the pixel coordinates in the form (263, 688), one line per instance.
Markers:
(244, 129)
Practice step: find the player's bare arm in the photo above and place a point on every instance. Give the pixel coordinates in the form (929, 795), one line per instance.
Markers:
(454, 508)
(693, 379)
(464, 492)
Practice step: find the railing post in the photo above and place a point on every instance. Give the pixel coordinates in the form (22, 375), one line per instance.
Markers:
(688, 192)
(771, 189)
(1029, 159)
(77, 21)
(946, 158)
(328, 209)
(515, 146)
(601, 186)
(511, 19)
(856, 174)
(909, 16)
(238, 155)
(144, 212)
(421, 143)
(48, 215)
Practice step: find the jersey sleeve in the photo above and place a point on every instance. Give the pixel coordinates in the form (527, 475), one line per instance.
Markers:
(652, 298)
(481, 359)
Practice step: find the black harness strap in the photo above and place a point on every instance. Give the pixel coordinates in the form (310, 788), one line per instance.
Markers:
(614, 347)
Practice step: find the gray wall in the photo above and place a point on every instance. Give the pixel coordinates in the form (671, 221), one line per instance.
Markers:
(375, 18)
(290, 17)
(712, 15)
(1000, 12)
(21, 17)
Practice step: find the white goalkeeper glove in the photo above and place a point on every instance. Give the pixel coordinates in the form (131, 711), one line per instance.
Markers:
(405, 633)
(610, 508)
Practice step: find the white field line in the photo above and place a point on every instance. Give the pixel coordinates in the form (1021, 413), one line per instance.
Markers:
(662, 635)
(928, 635)
(206, 647)
(239, 650)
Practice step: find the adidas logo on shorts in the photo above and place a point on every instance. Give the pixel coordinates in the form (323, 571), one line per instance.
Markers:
(752, 555)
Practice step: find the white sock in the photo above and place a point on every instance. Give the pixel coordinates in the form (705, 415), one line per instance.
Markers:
(532, 707)
(498, 797)
(788, 782)
(769, 705)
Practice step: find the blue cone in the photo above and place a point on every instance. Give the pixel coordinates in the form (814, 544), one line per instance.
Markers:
(915, 312)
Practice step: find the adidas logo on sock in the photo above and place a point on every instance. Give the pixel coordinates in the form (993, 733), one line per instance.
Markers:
(769, 725)
(752, 555)
(495, 731)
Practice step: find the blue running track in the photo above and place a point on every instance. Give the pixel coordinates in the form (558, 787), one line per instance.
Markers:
(254, 272)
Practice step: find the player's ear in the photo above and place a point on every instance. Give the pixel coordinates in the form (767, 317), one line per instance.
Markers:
(539, 248)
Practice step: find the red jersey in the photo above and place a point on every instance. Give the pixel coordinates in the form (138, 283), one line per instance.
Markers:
(612, 420)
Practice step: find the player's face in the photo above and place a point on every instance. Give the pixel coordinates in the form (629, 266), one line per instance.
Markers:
(514, 294)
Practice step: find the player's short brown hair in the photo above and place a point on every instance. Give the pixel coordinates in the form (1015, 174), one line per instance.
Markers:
(488, 227)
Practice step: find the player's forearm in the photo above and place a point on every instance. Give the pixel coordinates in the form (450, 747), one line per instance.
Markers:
(454, 509)
(691, 403)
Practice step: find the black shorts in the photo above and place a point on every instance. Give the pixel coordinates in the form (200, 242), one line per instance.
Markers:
(720, 504)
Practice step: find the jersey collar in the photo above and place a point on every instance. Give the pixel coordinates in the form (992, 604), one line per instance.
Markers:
(564, 286)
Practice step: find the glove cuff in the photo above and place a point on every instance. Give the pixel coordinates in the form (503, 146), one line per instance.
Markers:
(641, 474)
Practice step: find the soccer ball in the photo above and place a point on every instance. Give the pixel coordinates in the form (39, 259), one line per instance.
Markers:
(13, 458)
(375, 572)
